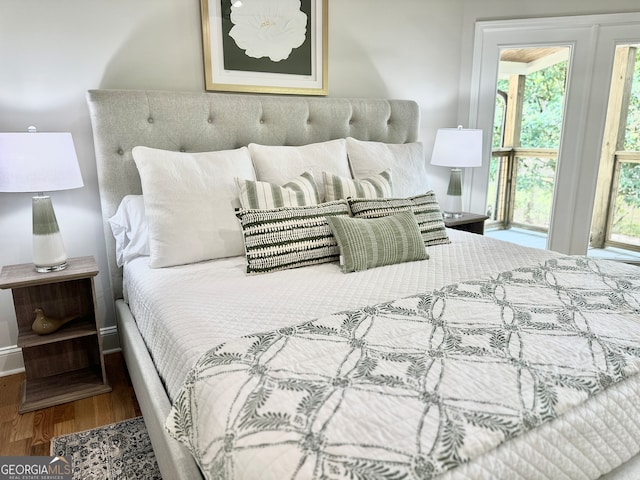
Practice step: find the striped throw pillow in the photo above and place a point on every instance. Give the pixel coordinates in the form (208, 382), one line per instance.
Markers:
(337, 187)
(296, 193)
(372, 242)
(425, 207)
(290, 237)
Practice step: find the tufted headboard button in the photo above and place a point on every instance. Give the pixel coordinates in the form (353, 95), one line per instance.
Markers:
(150, 120)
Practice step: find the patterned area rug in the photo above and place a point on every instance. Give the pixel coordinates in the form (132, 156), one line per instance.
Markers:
(116, 452)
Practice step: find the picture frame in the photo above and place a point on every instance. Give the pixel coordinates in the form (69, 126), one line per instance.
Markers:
(246, 51)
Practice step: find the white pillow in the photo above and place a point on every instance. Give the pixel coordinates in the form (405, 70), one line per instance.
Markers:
(130, 229)
(190, 201)
(279, 164)
(406, 160)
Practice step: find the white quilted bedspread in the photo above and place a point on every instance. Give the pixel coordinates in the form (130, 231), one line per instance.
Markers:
(414, 387)
(222, 303)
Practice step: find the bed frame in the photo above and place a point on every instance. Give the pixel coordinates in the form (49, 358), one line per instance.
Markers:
(198, 122)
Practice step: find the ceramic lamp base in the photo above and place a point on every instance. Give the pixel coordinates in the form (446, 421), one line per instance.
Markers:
(453, 200)
(48, 250)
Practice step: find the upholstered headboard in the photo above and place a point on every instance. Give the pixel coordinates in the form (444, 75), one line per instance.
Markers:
(199, 122)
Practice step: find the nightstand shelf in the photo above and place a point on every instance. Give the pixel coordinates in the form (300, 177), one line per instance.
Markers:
(40, 392)
(67, 364)
(77, 328)
(468, 222)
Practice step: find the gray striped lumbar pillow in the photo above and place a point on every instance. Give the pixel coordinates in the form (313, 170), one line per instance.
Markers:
(376, 186)
(296, 193)
(290, 237)
(425, 207)
(372, 242)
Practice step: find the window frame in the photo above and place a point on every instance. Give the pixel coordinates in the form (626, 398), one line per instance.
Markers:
(592, 39)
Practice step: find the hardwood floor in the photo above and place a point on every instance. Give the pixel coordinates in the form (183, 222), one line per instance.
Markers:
(31, 433)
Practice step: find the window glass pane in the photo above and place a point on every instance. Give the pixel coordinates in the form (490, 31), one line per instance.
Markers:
(632, 133)
(625, 226)
(533, 82)
(500, 112)
(493, 190)
(534, 192)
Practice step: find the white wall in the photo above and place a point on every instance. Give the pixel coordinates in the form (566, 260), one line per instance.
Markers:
(51, 53)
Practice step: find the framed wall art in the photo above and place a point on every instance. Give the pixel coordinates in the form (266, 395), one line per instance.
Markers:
(265, 46)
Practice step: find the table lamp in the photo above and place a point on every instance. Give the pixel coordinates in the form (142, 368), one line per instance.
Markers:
(41, 162)
(456, 148)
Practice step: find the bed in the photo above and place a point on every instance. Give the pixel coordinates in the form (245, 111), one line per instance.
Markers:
(211, 319)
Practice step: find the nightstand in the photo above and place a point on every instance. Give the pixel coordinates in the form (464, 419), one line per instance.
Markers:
(468, 222)
(68, 364)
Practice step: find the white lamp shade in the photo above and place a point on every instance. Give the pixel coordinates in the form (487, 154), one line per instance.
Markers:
(457, 147)
(38, 162)
(41, 162)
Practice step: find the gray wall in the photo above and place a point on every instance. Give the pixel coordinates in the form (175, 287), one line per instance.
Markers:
(52, 52)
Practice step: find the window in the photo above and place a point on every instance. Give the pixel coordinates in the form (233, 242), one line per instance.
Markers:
(616, 216)
(526, 134)
(592, 41)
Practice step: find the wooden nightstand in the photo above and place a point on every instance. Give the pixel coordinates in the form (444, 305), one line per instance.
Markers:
(469, 222)
(67, 364)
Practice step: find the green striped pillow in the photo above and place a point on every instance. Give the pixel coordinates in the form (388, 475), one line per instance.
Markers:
(425, 207)
(290, 237)
(372, 242)
(296, 193)
(337, 187)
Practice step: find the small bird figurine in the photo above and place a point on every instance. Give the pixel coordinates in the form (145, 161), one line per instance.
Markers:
(44, 325)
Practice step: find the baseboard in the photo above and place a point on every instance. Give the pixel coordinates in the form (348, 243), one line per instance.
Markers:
(11, 361)
(11, 357)
(110, 339)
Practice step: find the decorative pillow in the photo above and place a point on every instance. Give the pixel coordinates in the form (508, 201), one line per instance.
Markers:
(189, 200)
(406, 161)
(130, 229)
(372, 242)
(296, 193)
(337, 187)
(279, 164)
(290, 237)
(425, 207)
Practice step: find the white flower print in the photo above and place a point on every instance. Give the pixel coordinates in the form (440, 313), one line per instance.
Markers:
(268, 28)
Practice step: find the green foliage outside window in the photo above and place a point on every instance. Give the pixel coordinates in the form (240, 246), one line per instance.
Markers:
(632, 132)
(626, 215)
(543, 107)
(541, 128)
